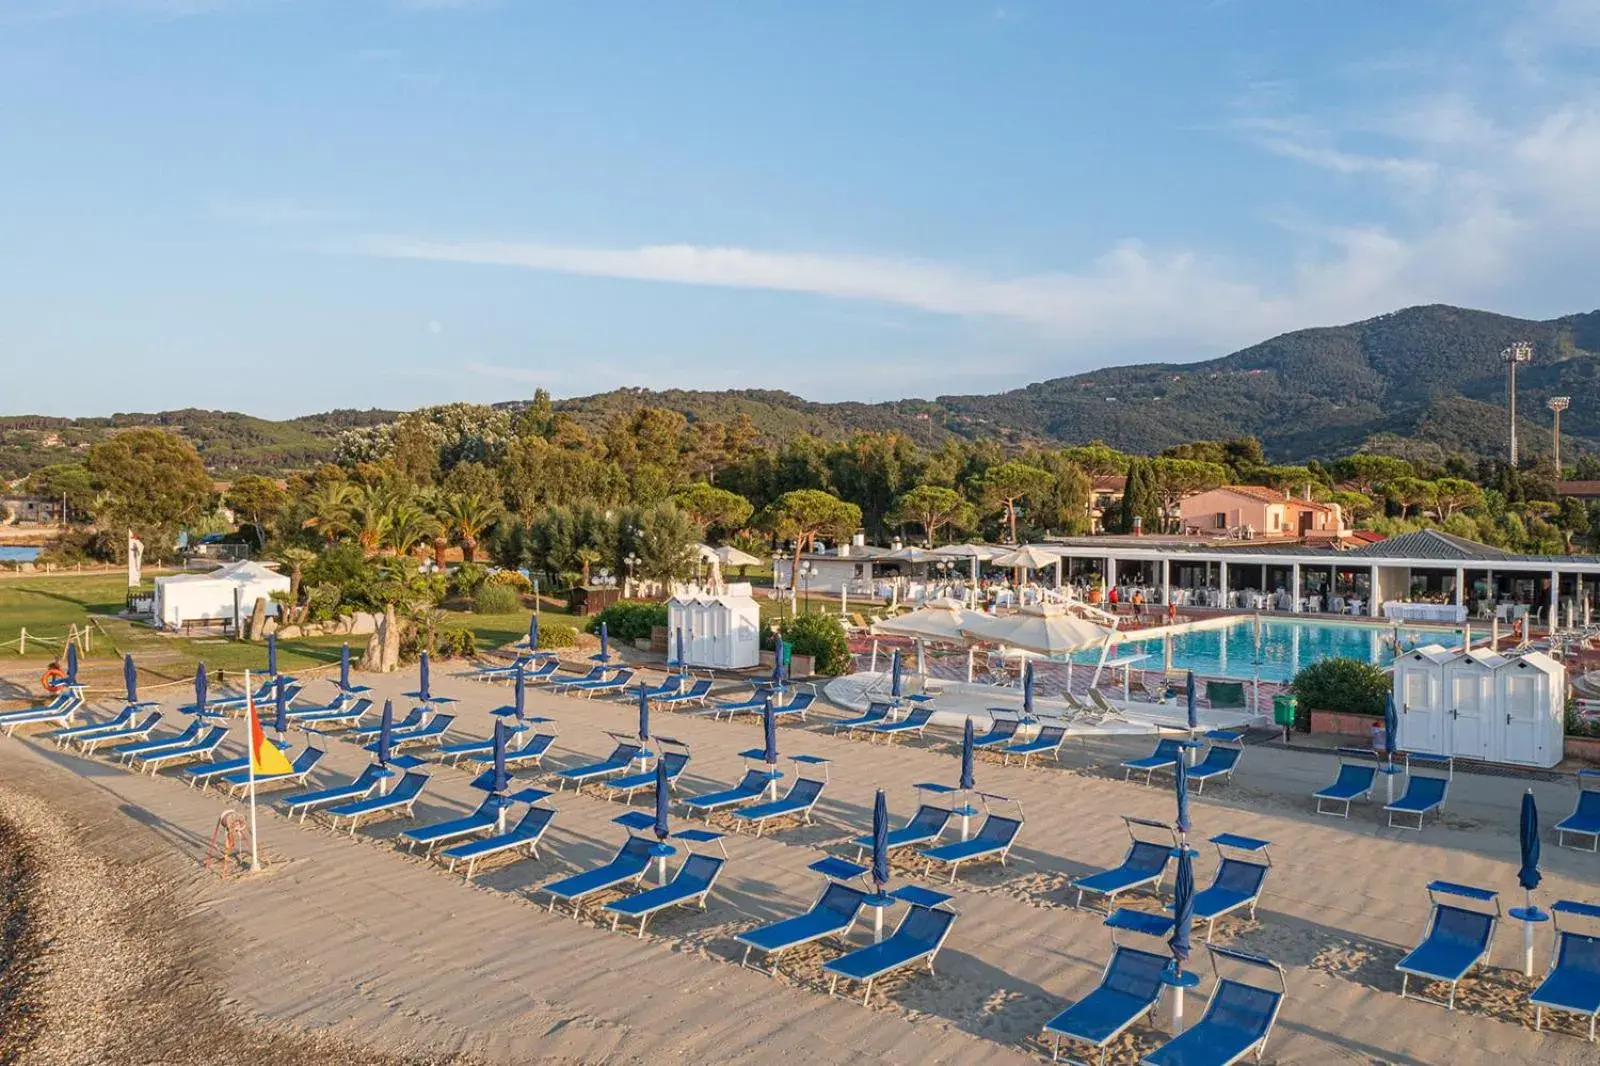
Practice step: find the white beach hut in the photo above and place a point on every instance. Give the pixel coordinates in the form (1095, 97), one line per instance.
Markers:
(1480, 705)
(228, 594)
(721, 629)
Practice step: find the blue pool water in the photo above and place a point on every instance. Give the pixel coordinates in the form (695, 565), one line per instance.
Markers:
(18, 555)
(1286, 647)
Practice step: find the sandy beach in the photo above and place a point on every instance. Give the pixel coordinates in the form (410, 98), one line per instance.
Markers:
(121, 947)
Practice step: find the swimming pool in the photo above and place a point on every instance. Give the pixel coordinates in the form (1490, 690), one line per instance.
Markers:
(1286, 647)
(18, 554)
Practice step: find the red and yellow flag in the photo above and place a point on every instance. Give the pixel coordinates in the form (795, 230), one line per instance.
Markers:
(266, 758)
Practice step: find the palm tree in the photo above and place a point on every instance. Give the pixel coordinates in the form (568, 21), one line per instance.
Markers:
(436, 503)
(586, 557)
(409, 526)
(464, 517)
(295, 559)
(329, 504)
(371, 515)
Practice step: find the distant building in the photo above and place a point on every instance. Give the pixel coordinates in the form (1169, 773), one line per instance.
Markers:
(1246, 511)
(34, 510)
(1583, 490)
(1105, 492)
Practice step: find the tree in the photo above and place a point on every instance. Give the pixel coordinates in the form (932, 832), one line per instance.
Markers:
(1452, 494)
(1356, 506)
(69, 482)
(256, 498)
(1139, 499)
(408, 525)
(150, 481)
(330, 505)
(1065, 507)
(708, 505)
(665, 543)
(932, 508)
(586, 557)
(1413, 494)
(1178, 479)
(1366, 473)
(296, 559)
(1097, 459)
(806, 514)
(463, 518)
(370, 515)
(1290, 479)
(1009, 482)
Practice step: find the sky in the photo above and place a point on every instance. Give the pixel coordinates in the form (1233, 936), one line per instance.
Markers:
(286, 206)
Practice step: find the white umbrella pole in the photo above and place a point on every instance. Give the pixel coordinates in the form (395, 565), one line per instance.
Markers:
(922, 657)
(250, 755)
(1177, 1011)
(970, 654)
(1494, 634)
(874, 667)
(844, 600)
(1527, 935)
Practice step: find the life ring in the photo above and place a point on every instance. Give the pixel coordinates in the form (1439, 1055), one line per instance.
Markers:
(54, 679)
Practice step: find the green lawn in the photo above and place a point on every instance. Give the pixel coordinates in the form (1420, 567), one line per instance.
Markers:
(47, 606)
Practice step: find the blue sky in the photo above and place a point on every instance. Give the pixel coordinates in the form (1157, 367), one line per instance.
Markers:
(284, 206)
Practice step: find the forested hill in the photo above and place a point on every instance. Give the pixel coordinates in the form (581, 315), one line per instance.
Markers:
(1425, 381)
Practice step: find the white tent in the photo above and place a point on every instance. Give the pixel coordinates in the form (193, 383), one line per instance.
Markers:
(911, 555)
(1046, 629)
(228, 594)
(728, 555)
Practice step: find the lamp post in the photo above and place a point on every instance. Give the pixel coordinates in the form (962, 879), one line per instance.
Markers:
(1518, 353)
(778, 559)
(807, 571)
(630, 561)
(1557, 404)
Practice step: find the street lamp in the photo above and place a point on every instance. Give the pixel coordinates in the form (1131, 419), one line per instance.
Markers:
(630, 561)
(807, 571)
(1557, 404)
(778, 558)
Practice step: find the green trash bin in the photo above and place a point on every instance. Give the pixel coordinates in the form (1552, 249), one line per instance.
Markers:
(1284, 709)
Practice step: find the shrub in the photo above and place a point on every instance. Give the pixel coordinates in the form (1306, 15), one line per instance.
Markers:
(1579, 726)
(467, 579)
(629, 619)
(1346, 685)
(322, 601)
(822, 637)
(494, 598)
(557, 635)
(512, 580)
(457, 642)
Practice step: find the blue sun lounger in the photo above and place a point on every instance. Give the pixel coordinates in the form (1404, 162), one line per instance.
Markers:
(59, 711)
(530, 753)
(695, 693)
(629, 864)
(433, 729)
(796, 707)
(1584, 821)
(1458, 938)
(130, 733)
(304, 803)
(993, 840)
(796, 803)
(626, 787)
(485, 817)
(1144, 865)
(481, 749)
(126, 753)
(532, 673)
(525, 834)
(617, 683)
(596, 673)
(263, 697)
(752, 787)
(1048, 741)
(1130, 987)
(876, 714)
(693, 882)
(621, 758)
(300, 769)
(403, 798)
(833, 914)
(1237, 1021)
(1357, 775)
(925, 827)
(63, 737)
(1002, 730)
(1243, 865)
(1221, 760)
(1425, 793)
(1165, 757)
(916, 721)
(1572, 983)
(204, 775)
(918, 938)
(201, 747)
(370, 732)
(331, 716)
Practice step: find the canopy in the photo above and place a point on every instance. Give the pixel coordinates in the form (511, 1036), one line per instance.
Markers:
(981, 552)
(939, 620)
(910, 555)
(1046, 629)
(728, 555)
(1027, 557)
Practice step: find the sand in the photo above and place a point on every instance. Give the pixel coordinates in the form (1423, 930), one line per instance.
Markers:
(352, 941)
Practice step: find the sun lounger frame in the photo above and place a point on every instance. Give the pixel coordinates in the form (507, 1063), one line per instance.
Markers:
(1584, 821)
(1441, 908)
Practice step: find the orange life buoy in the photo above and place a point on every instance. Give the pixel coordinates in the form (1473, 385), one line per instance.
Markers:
(54, 679)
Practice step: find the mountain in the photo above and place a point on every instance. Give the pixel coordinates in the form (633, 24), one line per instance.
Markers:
(1426, 381)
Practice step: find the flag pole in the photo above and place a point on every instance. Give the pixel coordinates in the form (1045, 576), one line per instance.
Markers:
(250, 752)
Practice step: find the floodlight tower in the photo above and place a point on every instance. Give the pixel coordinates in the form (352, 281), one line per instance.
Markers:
(1557, 404)
(1520, 352)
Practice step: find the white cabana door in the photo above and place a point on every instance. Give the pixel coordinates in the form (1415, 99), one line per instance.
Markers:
(1472, 708)
(1524, 706)
(1420, 680)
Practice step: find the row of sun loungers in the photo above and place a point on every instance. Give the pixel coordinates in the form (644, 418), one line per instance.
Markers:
(59, 711)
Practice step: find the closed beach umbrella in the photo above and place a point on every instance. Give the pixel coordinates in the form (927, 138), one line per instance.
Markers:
(130, 678)
(880, 840)
(1190, 710)
(344, 668)
(1528, 876)
(501, 778)
(1180, 789)
(967, 780)
(1391, 725)
(894, 674)
(272, 655)
(72, 664)
(778, 673)
(533, 633)
(519, 701)
(682, 662)
(200, 688)
(769, 731)
(1182, 911)
(280, 720)
(605, 643)
(1027, 688)
(644, 713)
(661, 799)
(422, 685)
(385, 733)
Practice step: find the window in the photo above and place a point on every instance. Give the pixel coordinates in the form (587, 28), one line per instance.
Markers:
(1276, 518)
(1222, 519)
